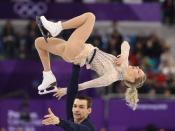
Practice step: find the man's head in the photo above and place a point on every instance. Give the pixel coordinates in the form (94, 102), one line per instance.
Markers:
(81, 108)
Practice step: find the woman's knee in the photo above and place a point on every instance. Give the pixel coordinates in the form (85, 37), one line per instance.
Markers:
(91, 15)
(38, 42)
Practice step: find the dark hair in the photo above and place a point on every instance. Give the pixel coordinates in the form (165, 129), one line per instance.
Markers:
(87, 98)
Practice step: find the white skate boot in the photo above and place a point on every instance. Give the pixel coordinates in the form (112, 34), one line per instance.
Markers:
(48, 84)
(54, 28)
(48, 28)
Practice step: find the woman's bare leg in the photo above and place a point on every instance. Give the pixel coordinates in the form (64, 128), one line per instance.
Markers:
(54, 46)
(77, 21)
(84, 25)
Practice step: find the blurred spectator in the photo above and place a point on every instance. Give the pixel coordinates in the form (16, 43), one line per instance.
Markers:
(167, 93)
(3, 129)
(9, 40)
(33, 32)
(19, 129)
(161, 129)
(152, 93)
(96, 40)
(167, 64)
(160, 88)
(1, 48)
(150, 127)
(139, 43)
(172, 86)
(24, 111)
(103, 129)
(115, 40)
(168, 12)
(153, 47)
(23, 49)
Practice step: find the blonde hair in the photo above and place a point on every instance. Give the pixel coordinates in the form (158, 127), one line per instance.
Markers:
(131, 95)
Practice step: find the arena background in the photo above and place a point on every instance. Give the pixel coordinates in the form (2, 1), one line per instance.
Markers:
(148, 25)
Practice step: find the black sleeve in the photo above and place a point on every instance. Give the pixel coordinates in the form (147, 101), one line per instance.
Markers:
(72, 90)
(70, 126)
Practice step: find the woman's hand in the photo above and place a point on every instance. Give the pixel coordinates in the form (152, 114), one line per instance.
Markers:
(119, 60)
(60, 92)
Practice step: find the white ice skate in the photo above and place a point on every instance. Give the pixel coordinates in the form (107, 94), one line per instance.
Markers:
(54, 28)
(48, 84)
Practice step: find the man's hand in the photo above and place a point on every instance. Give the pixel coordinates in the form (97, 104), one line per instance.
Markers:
(50, 119)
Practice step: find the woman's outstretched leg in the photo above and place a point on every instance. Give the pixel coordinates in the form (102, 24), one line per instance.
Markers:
(56, 46)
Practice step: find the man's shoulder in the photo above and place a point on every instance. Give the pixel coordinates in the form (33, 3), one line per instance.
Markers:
(88, 122)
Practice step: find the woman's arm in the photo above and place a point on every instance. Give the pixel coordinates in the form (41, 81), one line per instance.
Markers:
(102, 81)
(125, 47)
(122, 59)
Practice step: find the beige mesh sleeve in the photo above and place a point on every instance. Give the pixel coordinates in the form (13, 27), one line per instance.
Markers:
(102, 81)
(125, 53)
(125, 49)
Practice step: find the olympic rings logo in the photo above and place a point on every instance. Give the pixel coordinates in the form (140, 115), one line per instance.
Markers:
(30, 9)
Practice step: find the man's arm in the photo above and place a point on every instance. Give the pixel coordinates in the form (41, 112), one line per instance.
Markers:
(51, 119)
(72, 90)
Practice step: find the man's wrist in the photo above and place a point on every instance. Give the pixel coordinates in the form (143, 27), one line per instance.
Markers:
(59, 123)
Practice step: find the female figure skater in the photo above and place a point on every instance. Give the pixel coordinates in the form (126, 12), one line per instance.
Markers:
(75, 50)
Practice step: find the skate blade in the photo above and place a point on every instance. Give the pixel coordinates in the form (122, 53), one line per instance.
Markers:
(48, 90)
(43, 31)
